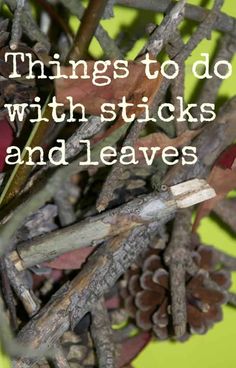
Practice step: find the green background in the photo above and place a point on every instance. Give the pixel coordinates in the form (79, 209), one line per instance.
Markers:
(216, 349)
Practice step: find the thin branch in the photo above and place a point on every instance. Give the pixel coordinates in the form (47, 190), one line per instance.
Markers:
(10, 345)
(224, 23)
(225, 210)
(41, 192)
(76, 299)
(16, 31)
(89, 23)
(29, 25)
(173, 48)
(93, 231)
(107, 44)
(176, 257)
(226, 51)
(232, 299)
(102, 335)
(7, 294)
(22, 289)
(162, 34)
(156, 42)
(60, 360)
(224, 132)
(226, 260)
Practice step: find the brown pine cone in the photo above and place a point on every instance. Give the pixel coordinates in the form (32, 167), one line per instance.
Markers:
(146, 294)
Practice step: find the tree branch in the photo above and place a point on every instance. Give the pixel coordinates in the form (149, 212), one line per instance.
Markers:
(93, 231)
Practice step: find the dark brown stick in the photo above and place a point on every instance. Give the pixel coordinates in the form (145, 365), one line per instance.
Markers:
(89, 23)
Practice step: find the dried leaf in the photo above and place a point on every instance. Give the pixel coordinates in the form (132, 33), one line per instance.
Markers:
(132, 347)
(71, 260)
(83, 91)
(162, 140)
(223, 179)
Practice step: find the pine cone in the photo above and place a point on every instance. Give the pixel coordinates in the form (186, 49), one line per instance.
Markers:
(146, 294)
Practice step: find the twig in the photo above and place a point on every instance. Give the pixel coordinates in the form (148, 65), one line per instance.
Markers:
(157, 41)
(92, 231)
(177, 257)
(202, 32)
(210, 89)
(226, 51)
(232, 299)
(225, 210)
(76, 299)
(85, 131)
(102, 335)
(226, 260)
(44, 190)
(224, 132)
(60, 360)
(56, 18)
(89, 23)
(16, 31)
(174, 46)
(108, 45)
(99, 274)
(22, 289)
(29, 25)
(224, 23)
(9, 344)
(8, 294)
(162, 34)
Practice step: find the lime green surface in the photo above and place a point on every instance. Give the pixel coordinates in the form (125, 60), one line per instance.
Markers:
(4, 362)
(217, 348)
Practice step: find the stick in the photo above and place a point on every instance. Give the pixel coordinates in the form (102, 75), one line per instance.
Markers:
(60, 360)
(92, 231)
(226, 260)
(174, 46)
(21, 286)
(156, 42)
(29, 25)
(176, 257)
(225, 210)
(89, 23)
(107, 44)
(224, 23)
(102, 335)
(224, 132)
(7, 294)
(99, 274)
(16, 31)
